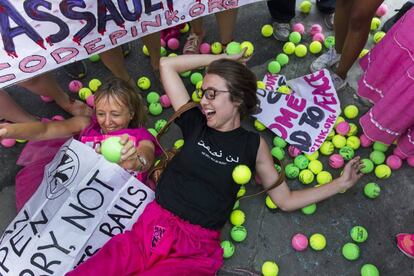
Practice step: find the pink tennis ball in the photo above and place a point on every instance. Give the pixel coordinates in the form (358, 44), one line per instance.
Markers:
(46, 99)
(318, 37)
(165, 101)
(58, 118)
(8, 143)
(315, 28)
(173, 43)
(298, 27)
(299, 242)
(382, 10)
(365, 141)
(205, 48)
(410, 161)
(75, 86)
(394, 162)
(336, 161)
(293, 151)
(163, 44)
(343, 128)
(90, 101)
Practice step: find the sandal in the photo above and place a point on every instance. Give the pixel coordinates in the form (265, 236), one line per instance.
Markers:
(192, 45)
(405, 242)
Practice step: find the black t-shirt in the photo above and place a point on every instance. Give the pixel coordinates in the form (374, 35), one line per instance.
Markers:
(197, 184)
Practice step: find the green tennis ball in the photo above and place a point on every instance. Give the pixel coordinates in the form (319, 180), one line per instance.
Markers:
(278, 153)
(249, 48)
(196, 77)
(301, 50)
(241, 174)
(347, 153)
(258, 125)
(282, 58)
(339, 141)
(238, 233)
(317, 242)
(323, 177)
(359, 234)
(216, 48)
(274, 67)
(237, 217)
(378, 157)
(368, 166)
(353, 142)
(279, 142)
(278, 168)
(236, 205)
(327, 148)
(242, 191)
(382, 171)
(111, 149)
(267, 30)
(329, 42)
(94, 84)
(315, 47)
(159, 124)
(301, 162)
(305, 6)
(155, 109)
(295, 37)
(351, 111)
(94, 58)
(163, 51)
(185, 74)
(291, 171)
(289, 48)
(144, 83)
(228, 249)
(369, 270)
(378, 146)
(378, 36)
(350, 251)
(269, 203)
(153, 97)
(372, 190)
(152, 131)
(375, 23)
(84, 93)
(270, 269)
(179, 143)
(233, 48)
(309, 210)
(306, 176)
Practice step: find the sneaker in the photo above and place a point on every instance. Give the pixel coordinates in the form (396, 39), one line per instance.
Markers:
(126, 49)
(326, 60)
(338, 82)
(391, 21)
(75, 70)
(328, 19)
(192, 45)
(405, 243)
(281, 31)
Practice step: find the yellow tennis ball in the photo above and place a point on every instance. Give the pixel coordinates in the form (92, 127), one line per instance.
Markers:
(382, 171)
(339, 141)
(270, 269)
(306, 176)
(144, 83)
(317, 242)
(195, 97)
(289, 48)
(327, 148)
(351, 111)
(242, 191)
(331, 135)
(378, 36)
(241, 174)
(249, 50)
(94, 84)
(237, 217)
(172, 55)
(305, 6)
(284, 89)
(312, 156)
(185, 29)
(145, 50)
(315, 166)
(216, 48)
(259, 126)
(267, 30)
(301, 50)
(353, 130)
(261, 85)
(363, 53)
(315, 47)
(375, 23)
(269, 203)
(84, 93)
(340, 119)
(323, 177)
(353, 142)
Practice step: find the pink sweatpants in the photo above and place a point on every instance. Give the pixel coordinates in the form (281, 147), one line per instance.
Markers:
(159, 243)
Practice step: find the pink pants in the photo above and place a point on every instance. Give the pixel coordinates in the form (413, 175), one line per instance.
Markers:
(159, 243)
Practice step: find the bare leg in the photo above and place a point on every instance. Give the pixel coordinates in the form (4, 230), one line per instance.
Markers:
(153, 42)
(226, 21)
(197, 26)
(11, 111)
(358, 30)
(341, 22)
(46, 85)
(114, 61)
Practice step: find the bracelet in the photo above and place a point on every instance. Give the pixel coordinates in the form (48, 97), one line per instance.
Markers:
(143, 162)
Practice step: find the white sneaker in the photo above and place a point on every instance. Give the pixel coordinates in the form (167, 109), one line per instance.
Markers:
(338, 82)
(325, 60)
(281, 31)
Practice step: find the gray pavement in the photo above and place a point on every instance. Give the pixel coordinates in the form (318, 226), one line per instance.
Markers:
(269, 233)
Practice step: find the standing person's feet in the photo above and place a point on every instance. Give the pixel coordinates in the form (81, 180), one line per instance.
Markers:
(391, 21)
(126, 49)
(328, 19)
(405, 242)
(326, 60)
(192, 45)
(281, 31)
(76, 70)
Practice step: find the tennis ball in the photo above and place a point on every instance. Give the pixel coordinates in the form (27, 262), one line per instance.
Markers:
(315, 166)
(350, 251)
(159, 124)
(353, 130)
(278, 153)
(394, 162)
(347, 153)
(274, 67)
(94, 58)
(363, 53)
(165, 101)
(195, 96)
(329, 42)
(153, 97)
(301, 50)
(317, 242)
(339, 120)
(342, 128)
(196, 77)
(284, 89)
(144, 83)
(359, 234)
(278, 168)
(267, 30)
(291, 171)
(228, 249)
(237, 217)
(305, 6)
(353, 142)
(241, 174)
(336, 161)
(289, 48)
(163, 51)
(382, 171)
(301, 162)
(216, 48)
(75, 86)
(306, 176)
(372, 190)
(185, 74)
(378, 36)
(84, 93)
(369, 270)
(249, 50)
(282, 58)
(172, 55)
(368, 166)
(312, 156)
(152, 131)
(315, 47)
(339, 141)
(185, 29)
(378, 157)
(238, 233)
(155, 109)
(270, 204)
(270, 269)
(279, 142)
(299, 242)
(323, 177)
(90, 100)
(375, 23)
(179, 143)
(236, 205)
(351, 111)
(327, 148)
(378, 146)
(111, 149)
(94, 84)
(259, 126)
(295, 37)
(309, 210)
(261, 85)
(233, 48)
(242, 191)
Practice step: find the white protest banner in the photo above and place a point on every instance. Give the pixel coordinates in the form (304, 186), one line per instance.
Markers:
(303, 118)
(40, 35)
(82, 202)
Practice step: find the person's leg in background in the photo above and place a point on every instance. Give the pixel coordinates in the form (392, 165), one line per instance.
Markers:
(226, 21)
(327, 8)
(11, 111)
(153, 43)
(282, 12)
(114, 61)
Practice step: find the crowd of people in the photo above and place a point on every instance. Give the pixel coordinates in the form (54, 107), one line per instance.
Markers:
(193, 202)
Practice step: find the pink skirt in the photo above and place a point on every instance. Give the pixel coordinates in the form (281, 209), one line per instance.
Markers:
(388, 82)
